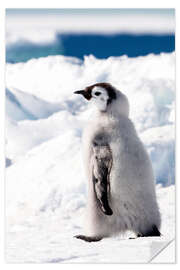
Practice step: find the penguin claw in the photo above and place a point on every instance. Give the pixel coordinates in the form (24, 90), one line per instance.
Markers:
(88, 238)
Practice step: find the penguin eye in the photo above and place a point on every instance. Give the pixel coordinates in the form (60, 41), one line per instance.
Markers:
(97, 93)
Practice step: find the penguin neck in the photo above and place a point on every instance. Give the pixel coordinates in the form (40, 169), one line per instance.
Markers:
(112, 113)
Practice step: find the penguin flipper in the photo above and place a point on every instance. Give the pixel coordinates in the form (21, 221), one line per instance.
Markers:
(102, 163)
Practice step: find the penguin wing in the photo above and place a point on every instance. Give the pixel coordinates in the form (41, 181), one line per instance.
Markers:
(102, 163)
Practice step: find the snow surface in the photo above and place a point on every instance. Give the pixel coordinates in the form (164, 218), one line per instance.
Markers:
(45, 182)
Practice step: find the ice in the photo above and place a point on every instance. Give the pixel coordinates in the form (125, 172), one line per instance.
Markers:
(160, 145)
(20, 106)
(45, 181)
(42, 28)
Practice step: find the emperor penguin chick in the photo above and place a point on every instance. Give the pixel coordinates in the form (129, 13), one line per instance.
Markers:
(121, 186)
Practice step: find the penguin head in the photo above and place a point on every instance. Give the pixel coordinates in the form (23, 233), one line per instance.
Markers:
(99, 94)
(106, 98)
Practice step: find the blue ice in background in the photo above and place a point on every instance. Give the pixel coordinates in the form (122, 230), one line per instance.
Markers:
(101, 46)
(79, 32)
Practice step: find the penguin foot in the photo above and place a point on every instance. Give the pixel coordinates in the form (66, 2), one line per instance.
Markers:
(88, 238)
(153, 231)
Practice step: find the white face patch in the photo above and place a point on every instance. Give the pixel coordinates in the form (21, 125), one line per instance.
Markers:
(99, 98)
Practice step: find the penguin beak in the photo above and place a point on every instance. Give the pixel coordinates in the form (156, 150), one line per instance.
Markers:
(79, 92)
(84, 93)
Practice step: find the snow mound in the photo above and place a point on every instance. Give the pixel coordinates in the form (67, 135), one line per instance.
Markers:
(160, 144)
(147, 81)
(47, 86)
(20, 106)
(52, 178)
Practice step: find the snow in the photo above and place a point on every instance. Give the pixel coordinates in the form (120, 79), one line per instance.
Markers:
(45, 181)
(48, 238)
(20, 106)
